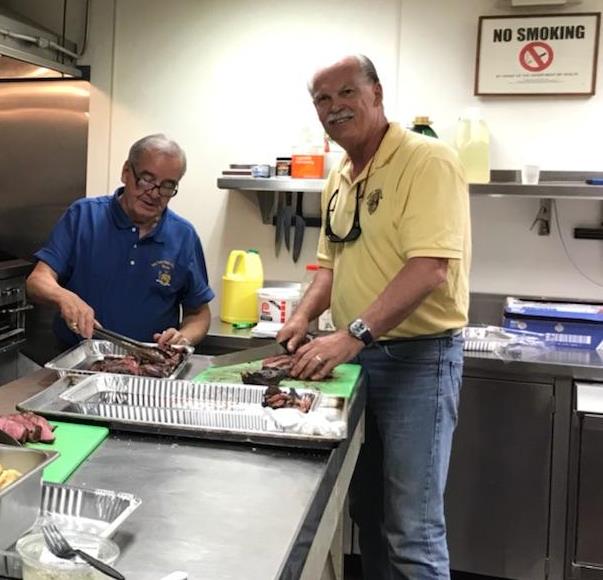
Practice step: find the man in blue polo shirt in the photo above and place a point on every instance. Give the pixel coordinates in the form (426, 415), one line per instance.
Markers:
(126, 261)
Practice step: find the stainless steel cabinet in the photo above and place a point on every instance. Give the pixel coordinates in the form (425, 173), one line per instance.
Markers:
(499, 484)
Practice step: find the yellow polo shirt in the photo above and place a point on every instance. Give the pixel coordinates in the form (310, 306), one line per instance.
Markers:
(414, 203)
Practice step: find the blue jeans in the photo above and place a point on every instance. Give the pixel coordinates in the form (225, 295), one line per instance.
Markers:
(397, 491)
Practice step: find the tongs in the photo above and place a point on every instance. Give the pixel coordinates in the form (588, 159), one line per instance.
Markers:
(142, 349)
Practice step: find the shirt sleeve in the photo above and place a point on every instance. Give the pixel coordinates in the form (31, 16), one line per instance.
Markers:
(196, 291)
(434, 220)
(59, 250)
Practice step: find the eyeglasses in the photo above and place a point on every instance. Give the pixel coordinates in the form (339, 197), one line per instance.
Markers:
(355, 230)
(166, 188)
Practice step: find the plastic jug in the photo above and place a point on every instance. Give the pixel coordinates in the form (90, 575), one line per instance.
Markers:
(243, 277)
(473, 146)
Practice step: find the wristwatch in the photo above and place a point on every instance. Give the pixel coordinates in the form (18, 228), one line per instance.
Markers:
(358, 329)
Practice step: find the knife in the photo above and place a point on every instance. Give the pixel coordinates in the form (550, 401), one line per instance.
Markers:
(278, 234)
(288, 215)
(299, 228)
(247, 355)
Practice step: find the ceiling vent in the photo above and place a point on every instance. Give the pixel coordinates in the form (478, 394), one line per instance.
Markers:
(30, 52)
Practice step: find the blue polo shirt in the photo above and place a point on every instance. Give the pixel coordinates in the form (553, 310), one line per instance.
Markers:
(136, 286)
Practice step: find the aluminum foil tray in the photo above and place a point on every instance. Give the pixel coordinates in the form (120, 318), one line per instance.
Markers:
(201, 410)
(96, 511)
(79, 358)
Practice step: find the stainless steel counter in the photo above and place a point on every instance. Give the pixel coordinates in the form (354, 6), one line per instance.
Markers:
(220, 511)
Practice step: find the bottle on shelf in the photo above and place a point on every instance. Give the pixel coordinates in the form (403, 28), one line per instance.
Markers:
(423, 125)
(473, 146)
(243, 277)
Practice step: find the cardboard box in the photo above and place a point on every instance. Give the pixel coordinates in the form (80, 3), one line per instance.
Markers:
(564, 324)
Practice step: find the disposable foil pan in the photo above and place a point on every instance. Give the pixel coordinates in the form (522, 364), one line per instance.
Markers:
(19, 501)
(95, 511)
(203, 410)
(80, 358)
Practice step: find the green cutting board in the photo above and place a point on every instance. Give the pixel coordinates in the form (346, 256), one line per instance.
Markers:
(340, 385)
(74, 442)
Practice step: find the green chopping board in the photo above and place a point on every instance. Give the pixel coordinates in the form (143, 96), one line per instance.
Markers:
(74, 442)
(340, 385)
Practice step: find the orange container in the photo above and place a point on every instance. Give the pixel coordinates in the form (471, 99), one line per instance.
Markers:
(307, 166)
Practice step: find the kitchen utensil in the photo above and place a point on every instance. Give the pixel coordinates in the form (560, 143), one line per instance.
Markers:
(75, 442)
(136, 347)
(287, 217)
(59, 546)
(299, 226)
(280, 224)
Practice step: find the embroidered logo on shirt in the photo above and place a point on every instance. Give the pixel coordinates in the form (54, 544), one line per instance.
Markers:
(164, 272)
(372, 200)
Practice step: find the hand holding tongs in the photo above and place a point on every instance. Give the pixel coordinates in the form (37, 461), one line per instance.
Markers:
(136, 347)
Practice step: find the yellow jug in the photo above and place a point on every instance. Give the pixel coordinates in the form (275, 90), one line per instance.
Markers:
(243, 277)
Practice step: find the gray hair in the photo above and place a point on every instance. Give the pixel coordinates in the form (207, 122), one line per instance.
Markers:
(367, 68)
(159, 143)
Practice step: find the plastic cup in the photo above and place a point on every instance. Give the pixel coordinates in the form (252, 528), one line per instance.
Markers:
(530, 174)
(39, 564)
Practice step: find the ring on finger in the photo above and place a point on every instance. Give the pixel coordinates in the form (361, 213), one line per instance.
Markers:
(73, 325)
(318, 359)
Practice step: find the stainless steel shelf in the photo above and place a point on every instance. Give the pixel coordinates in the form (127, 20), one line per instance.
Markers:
(271, 184)
(553, 185)
(550, 190)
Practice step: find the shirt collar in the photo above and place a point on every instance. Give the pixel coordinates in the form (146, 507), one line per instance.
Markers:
(391, 142)
(122, 221)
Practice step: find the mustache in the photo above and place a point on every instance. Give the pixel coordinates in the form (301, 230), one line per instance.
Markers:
(339, 115)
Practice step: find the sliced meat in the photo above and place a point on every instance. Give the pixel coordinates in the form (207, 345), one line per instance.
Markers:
(265, 376)
(47, 435)
(15, 430)
(34, 432)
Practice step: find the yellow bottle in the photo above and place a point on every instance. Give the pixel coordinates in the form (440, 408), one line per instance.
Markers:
(243, 277)
(473, 146)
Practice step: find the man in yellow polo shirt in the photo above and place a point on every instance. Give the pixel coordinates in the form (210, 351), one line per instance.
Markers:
(394, 255)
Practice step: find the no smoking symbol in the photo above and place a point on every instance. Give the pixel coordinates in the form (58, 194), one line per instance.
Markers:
(536, 56)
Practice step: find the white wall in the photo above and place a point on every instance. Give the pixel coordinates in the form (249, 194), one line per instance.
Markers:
(227, 80)
(437, 59)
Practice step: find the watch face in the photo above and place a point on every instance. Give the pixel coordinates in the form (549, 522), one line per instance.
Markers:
(357, 327)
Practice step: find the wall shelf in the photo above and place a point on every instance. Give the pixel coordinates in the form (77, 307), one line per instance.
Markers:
(504, 183)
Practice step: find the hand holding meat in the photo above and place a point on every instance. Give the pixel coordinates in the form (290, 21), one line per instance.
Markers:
(294, 332)
(316, 359)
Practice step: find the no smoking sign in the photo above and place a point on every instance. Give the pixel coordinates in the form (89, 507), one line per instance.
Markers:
(536, 56)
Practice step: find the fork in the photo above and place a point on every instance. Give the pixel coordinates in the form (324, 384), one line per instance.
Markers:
(60, 547)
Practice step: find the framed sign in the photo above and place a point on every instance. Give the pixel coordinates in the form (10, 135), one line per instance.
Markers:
(545, 54)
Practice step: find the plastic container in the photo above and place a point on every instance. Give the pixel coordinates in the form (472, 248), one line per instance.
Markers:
(243, 277)
(473, 146)
(39, 564)
(423, 125)
(277, 304)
